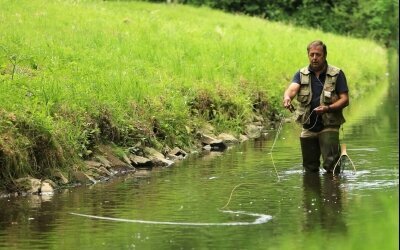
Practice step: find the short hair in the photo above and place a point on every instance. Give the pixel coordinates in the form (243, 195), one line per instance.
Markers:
(318, 43)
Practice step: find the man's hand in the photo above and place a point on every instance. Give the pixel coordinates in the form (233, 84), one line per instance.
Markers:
(289, 94)
(321, 109)
(341, 103)
(287, 101)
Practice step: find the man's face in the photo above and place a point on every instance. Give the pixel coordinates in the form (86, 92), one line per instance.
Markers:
(316, 57)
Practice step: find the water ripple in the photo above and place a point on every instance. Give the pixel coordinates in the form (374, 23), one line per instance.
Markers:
(261, 219)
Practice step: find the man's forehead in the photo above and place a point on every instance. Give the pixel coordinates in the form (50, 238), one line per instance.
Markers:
(316, 47)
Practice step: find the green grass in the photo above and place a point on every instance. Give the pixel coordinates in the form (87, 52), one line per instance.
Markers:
(78, 73)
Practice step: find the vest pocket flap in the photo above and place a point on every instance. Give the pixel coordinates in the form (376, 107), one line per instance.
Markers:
(303, 95)
(302, 98)
(329, 88)
(305, 92)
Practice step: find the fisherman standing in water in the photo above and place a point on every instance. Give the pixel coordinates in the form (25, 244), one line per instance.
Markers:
(322, 93)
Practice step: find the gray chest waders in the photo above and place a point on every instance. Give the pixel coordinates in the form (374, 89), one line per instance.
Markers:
(330, 150)
(325, 144)
(311, 153)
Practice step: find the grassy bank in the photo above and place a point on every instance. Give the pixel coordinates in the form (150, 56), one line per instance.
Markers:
(75, 74)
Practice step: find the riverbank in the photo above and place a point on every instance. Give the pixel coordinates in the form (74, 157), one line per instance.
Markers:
(108, 161)
(75, 76)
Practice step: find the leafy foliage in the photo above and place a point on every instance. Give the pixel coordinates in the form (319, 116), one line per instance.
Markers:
(374, 19)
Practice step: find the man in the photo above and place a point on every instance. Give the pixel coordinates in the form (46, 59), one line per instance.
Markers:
(322, 93)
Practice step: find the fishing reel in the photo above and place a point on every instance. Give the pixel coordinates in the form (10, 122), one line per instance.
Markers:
(291, 108)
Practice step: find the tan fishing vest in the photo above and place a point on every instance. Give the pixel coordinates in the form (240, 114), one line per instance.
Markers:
(328, 96)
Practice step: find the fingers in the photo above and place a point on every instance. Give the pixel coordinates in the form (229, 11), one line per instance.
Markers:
(287, 102)
(321, 109)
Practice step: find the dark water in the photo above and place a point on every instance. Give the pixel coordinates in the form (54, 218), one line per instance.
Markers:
(271, 203)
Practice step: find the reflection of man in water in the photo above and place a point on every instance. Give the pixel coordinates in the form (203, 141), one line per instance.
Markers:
(322, 203)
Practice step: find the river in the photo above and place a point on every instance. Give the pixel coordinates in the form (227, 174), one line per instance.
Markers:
(253, 196)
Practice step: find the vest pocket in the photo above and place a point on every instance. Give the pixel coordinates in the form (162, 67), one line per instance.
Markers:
(333, 119)
(303, 95)
(302, 115)
(328, 95)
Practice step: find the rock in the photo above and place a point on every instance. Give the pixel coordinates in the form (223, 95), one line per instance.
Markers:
(28, 184)
(60, 177)
(151, 152)
(243, 138)
(98, 173)
(161, 162)
(93, 164)
(207, 139)
(157, 158)
(52, 183)
(83, 177)
(175, 157)
(228, 138)
(103, 160)
(117, 163)
(215, 144)
(177, 153)
(253, 131)
(104, 171)
(140, 161)
(126, 159)
(47, 187)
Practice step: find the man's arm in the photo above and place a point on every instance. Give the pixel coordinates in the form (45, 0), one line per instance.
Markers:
(290, 93)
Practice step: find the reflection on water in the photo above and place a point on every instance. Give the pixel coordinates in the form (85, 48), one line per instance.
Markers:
(322, 203)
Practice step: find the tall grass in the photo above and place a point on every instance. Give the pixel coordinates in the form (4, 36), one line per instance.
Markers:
(87, 71)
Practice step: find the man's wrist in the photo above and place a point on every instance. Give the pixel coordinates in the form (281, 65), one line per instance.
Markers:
(329, 109)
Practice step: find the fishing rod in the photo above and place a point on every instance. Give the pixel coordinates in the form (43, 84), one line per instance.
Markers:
(273, 145)
(292, 109)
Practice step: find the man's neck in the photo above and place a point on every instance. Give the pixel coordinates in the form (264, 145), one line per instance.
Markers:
(318, 72)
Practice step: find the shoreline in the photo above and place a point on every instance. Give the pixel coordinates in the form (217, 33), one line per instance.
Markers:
(105, 164)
